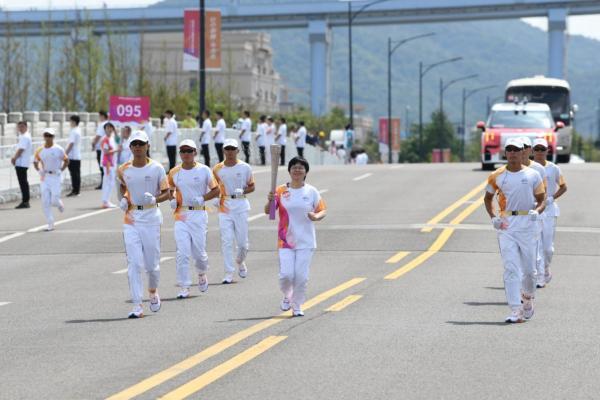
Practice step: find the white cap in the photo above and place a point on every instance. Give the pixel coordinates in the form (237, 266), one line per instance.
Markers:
(230, 143)
(514, 142)
(188, 143)
(138, 135)
(49, 131)
(540, 142)
(526, 141)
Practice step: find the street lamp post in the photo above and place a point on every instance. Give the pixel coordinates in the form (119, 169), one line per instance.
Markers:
(424, 69)
(447, 85)
(465, 95)
(391, 51)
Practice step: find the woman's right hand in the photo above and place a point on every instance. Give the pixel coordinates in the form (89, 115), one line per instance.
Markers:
(271, 196)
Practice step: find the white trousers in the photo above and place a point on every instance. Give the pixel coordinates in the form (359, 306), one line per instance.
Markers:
(142, 246)
(518, 251)
(190, 238)
(547, 243)
(50, 188)
(294, 266)
(108, 183)
(234, 226)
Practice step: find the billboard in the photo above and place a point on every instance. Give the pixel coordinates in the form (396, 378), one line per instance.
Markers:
(191, 38)
(129, 109)
(383, 132)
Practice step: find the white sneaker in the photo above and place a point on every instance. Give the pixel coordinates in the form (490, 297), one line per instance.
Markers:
(515, 316)
(137, 312)
(540, 281)
(227, 279)
(155, 302)
(285, 304)
(242, 270)
(527, 307)
(108, 205)
(298, 312)
(184, 293)
(61, 206)
(50, 227)
(202, 282)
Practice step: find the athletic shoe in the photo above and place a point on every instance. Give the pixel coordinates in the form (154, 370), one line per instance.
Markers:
(22, 205)
(285, 304)
(547, 276)
(515, 316)
(137, 312)
(61, 206)
(99, 187)
(202, 282)
(541, 282)
(50, 227)
(527, 307)
(183, 293)
(242, 270)
(155, 303)
(108, 205)
(72, 194)
(298, 313)
(227, 279)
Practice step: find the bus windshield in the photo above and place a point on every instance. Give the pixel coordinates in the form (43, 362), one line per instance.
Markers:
(557, 99)
(521, 120)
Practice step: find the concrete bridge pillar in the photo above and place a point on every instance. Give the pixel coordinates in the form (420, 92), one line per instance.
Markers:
(557, 47)
(319, 35)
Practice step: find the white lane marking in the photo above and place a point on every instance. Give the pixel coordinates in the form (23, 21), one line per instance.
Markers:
(64, 221)
(166, 259)
(364, 176)
(397, 167)
(323, 191)
(122, 271)
(3, 303)
(255, 217)
(11, 236)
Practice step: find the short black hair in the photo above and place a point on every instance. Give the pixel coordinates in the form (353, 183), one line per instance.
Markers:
(298, 160)
(109, 124)
(75, 118)
(220, 113)
(262, 118)
(301, 123)
(207, 112)
(103, 113)
(270, 119)
(282, 120)
(247, 113)
(169, 112)
(22, 123)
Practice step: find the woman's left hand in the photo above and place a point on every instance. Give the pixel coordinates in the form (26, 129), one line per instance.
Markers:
(313, 216)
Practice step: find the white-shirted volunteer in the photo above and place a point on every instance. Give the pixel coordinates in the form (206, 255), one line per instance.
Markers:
(109, 148)
(261, 130)
(143, 185)
(171, 137)
(219, 136)
(235, 181)
(269, 137)
(518, 188)
(102, 119)
(301, 139)
(281, 138)
(300, 205)
(50, 161)
(556, 187)
(207, 131)
(124, 150)
(73, 151)
(191, 184)
(21, 160)
(246, 135)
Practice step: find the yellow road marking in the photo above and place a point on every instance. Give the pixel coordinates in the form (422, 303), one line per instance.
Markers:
(221, 370)
(396, 258)
(339, 306)
(467, 211)
(453, 207)
(224, 344)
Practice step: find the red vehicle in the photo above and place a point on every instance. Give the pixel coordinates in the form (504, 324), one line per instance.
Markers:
(508, 120)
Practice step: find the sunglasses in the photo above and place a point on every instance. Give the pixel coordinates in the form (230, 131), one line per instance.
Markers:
(46, 135)
(512, 149)
(540, 149)
(186, 151)
(230, 148)
(137, 143)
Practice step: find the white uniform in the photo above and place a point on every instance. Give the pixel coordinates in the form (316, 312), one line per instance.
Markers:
(50, 161)
(75, 138)
(190, 224)
(301, 137)
(233, 212)
(109, 165)
(100, 133)
(516, 192)
(125, 154)
(141, 228)
(220, 136)
(269, 140)
(261, 129)
(282, 132)
(538, 263)
(297, 239)
(247, 128)
(25, 144)
(362, 159)
(206, 131)
(170, 126)
(554, 179)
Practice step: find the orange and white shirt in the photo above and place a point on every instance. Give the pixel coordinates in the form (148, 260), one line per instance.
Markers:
(150, 178)
(516, 192)
(229, 179)
(189, 184)
(50, 159)
(555, 180)
(296, 231)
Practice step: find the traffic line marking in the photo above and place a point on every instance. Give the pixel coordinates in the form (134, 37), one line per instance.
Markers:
(323, 191)
(122, 271)
(255, 217)
(361, 177)
(396, 258)
(4, 303)
(221, 370)
(11, 236)
(339, 306)
(213, 350)
(64, 221)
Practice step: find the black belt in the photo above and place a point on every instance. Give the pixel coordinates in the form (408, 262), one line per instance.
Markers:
(237, 196)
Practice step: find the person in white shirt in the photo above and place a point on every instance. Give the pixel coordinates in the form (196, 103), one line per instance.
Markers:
(143, 184)
(301, 139)
(362, 158)
(281, 138)
(300, 205)
(109, 163)
(261, 131)
(50, 161)
(220, 135)
(191, 184)
(171, 137)
(246, 135)
(269, 137)
(520, 192)
(73, 151)
(21, 160)
(124, 150)
(235, 181)
(207, 129)
(556, 187)
(102, 119)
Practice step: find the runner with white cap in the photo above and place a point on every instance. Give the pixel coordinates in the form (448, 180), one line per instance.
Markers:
(191, 185)
(50, 160)
(235, 181)
(143, 185)
(556, 187)
(518, 188)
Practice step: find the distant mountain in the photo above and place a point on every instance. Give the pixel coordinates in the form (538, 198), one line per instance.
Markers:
(496, 50)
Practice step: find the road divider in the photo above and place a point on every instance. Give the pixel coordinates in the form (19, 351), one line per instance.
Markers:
(361, 177)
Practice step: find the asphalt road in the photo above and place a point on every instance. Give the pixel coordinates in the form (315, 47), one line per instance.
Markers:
(393, 311)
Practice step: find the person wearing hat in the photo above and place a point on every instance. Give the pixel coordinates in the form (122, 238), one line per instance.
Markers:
(50, 160)
(235, 181)
(556, 187)
(191, 184)
(205, 136)
(109, 148)
(143, 184)
(520, 192)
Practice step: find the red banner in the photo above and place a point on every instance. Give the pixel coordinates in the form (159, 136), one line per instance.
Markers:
(191, 39)
(383, 132)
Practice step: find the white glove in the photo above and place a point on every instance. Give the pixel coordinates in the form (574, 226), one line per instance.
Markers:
(173, 204)
(549, 200)
(149, 199)
(124, 204)
(533, 215)
(497, 222)
(198, 201)
(239, 192)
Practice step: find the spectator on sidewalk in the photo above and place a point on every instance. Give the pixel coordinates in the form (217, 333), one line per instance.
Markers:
(219, 136)
(74, 154)
(21, 161)
(246, 135)
(171, 139)
(103, 119)
(301, 139)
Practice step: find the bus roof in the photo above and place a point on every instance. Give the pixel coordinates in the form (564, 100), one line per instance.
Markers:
(539, 80)
(520, 107)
